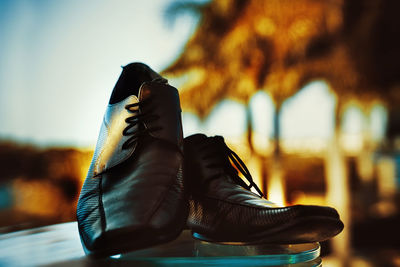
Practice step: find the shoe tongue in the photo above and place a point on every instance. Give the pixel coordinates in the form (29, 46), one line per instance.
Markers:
(132, 77)
(219, 139)
(165, 107)
(219, 143)
(198, 138)
(195, 138)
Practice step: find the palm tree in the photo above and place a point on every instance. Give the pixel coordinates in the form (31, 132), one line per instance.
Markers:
(241, 47)
(278, 46)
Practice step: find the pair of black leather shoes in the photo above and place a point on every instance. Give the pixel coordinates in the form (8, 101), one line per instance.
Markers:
(146, 183)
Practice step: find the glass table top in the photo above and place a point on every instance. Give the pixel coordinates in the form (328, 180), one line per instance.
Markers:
(59, 245)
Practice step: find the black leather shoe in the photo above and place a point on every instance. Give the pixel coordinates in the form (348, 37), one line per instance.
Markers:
(133, 195)
(223, 209)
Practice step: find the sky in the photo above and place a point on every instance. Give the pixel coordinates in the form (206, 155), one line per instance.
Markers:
(61, 59)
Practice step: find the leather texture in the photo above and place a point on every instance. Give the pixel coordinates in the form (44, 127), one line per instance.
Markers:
(109, 152)
(134, 197)
(221, 210)
(170, 122)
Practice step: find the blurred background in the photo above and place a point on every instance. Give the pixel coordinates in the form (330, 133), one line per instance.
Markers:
(307, 92)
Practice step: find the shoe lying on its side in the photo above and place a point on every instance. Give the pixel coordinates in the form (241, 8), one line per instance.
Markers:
(223, 209)
(133, 195)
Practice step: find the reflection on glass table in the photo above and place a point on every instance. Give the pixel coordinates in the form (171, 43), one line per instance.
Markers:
(59, 245)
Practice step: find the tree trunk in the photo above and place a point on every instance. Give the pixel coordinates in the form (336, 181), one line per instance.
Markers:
(249, 128)
(255, 158)
(337, 188)
(277, 132)
(276, 188)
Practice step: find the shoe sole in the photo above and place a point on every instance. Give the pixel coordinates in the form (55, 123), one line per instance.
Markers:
(304, 230)
(124, 247)
(135, 240)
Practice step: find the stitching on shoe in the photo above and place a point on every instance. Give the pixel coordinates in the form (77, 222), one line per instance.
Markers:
(102, 150)
(101, 208)
(275, 217)
(161, 199)
(238, 204)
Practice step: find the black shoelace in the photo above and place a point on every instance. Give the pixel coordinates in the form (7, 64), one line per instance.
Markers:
(220, 145)
(138, 118)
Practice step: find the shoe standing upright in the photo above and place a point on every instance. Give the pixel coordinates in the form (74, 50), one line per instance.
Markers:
(133, 196)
